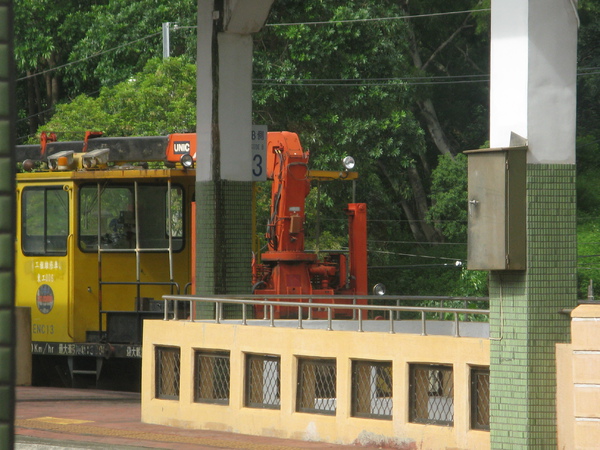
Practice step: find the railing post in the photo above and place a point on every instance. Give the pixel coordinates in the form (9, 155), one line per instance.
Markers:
(360, 321)
(329, 314)
(244, 314)
(309, 317)
(456, 330)
(166, 309)
(391, 321)
(217, 312)
(272, 318)
(423, 324)
(299, 317)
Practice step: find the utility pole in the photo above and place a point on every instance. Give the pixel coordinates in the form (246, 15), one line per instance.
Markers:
(165, 39)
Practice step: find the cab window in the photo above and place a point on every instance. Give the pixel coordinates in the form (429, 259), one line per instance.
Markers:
(45, 221)
(113, 220)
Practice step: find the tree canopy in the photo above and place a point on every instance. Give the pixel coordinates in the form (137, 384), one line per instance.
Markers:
(159, 100)
(401, 86)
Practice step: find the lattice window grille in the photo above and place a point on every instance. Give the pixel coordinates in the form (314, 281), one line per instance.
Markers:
(263, 374)
(211, 377)
(168, 365)
(480, 398)
(431, 393)
(316, 386)
(372, 394)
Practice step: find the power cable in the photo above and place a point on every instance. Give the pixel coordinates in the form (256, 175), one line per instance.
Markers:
(417, 242)
(377, 19)
(88, 57)
(266, 25)
(362, 84)
(384, 252)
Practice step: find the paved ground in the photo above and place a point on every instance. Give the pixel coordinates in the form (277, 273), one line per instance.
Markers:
(52, 418)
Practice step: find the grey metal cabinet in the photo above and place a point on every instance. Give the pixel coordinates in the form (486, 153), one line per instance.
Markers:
(497, 209)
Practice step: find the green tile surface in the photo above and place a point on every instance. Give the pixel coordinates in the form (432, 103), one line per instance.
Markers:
(224, 241)
(525, 322)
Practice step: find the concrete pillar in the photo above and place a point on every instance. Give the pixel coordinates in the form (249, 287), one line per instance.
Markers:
(7, 217)
(533, 77)
(224, 159)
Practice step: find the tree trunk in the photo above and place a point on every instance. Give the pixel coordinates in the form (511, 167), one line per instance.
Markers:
(420, 196)
(421, 230)
(413, 222)
(32, 104)
(426, 107)
(52, 80)
(436, 132)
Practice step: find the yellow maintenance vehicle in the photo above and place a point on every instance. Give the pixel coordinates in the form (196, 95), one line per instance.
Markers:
(100, 238)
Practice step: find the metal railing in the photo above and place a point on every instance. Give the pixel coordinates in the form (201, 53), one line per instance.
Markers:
(268, 303)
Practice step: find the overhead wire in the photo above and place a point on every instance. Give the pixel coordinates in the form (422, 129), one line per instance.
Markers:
(377, 19)
(94, 55)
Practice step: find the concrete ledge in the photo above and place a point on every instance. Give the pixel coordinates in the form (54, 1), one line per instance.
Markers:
(586, 311)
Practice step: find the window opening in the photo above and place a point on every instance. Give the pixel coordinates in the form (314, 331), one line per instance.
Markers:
(431, 393)
(480, 398)
(211, 377)
(114, 220)
(372, 389)
(316, 386)
(263, 374)
(168, 365)
(45, 221)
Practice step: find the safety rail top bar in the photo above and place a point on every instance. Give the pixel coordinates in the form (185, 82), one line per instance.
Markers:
(351, 297)
(245, 300)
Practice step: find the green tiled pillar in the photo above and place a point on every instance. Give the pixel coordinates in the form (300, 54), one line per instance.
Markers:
(526, 322)
(7, 216)
(223, 241)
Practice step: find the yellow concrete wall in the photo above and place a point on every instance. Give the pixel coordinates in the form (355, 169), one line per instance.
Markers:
(290, 343)
(578, 382)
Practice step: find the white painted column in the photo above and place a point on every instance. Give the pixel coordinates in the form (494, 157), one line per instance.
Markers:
(233, 123)
(204, 91)
(533, 77)
(235, 106)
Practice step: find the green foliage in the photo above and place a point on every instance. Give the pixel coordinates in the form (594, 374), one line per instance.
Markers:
(137, 24)
(69, 48)
(157, 101)
(588, 246)
(449, 197)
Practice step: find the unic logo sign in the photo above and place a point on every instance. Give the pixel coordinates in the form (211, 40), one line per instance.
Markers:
(181, 147)
(44, 299)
